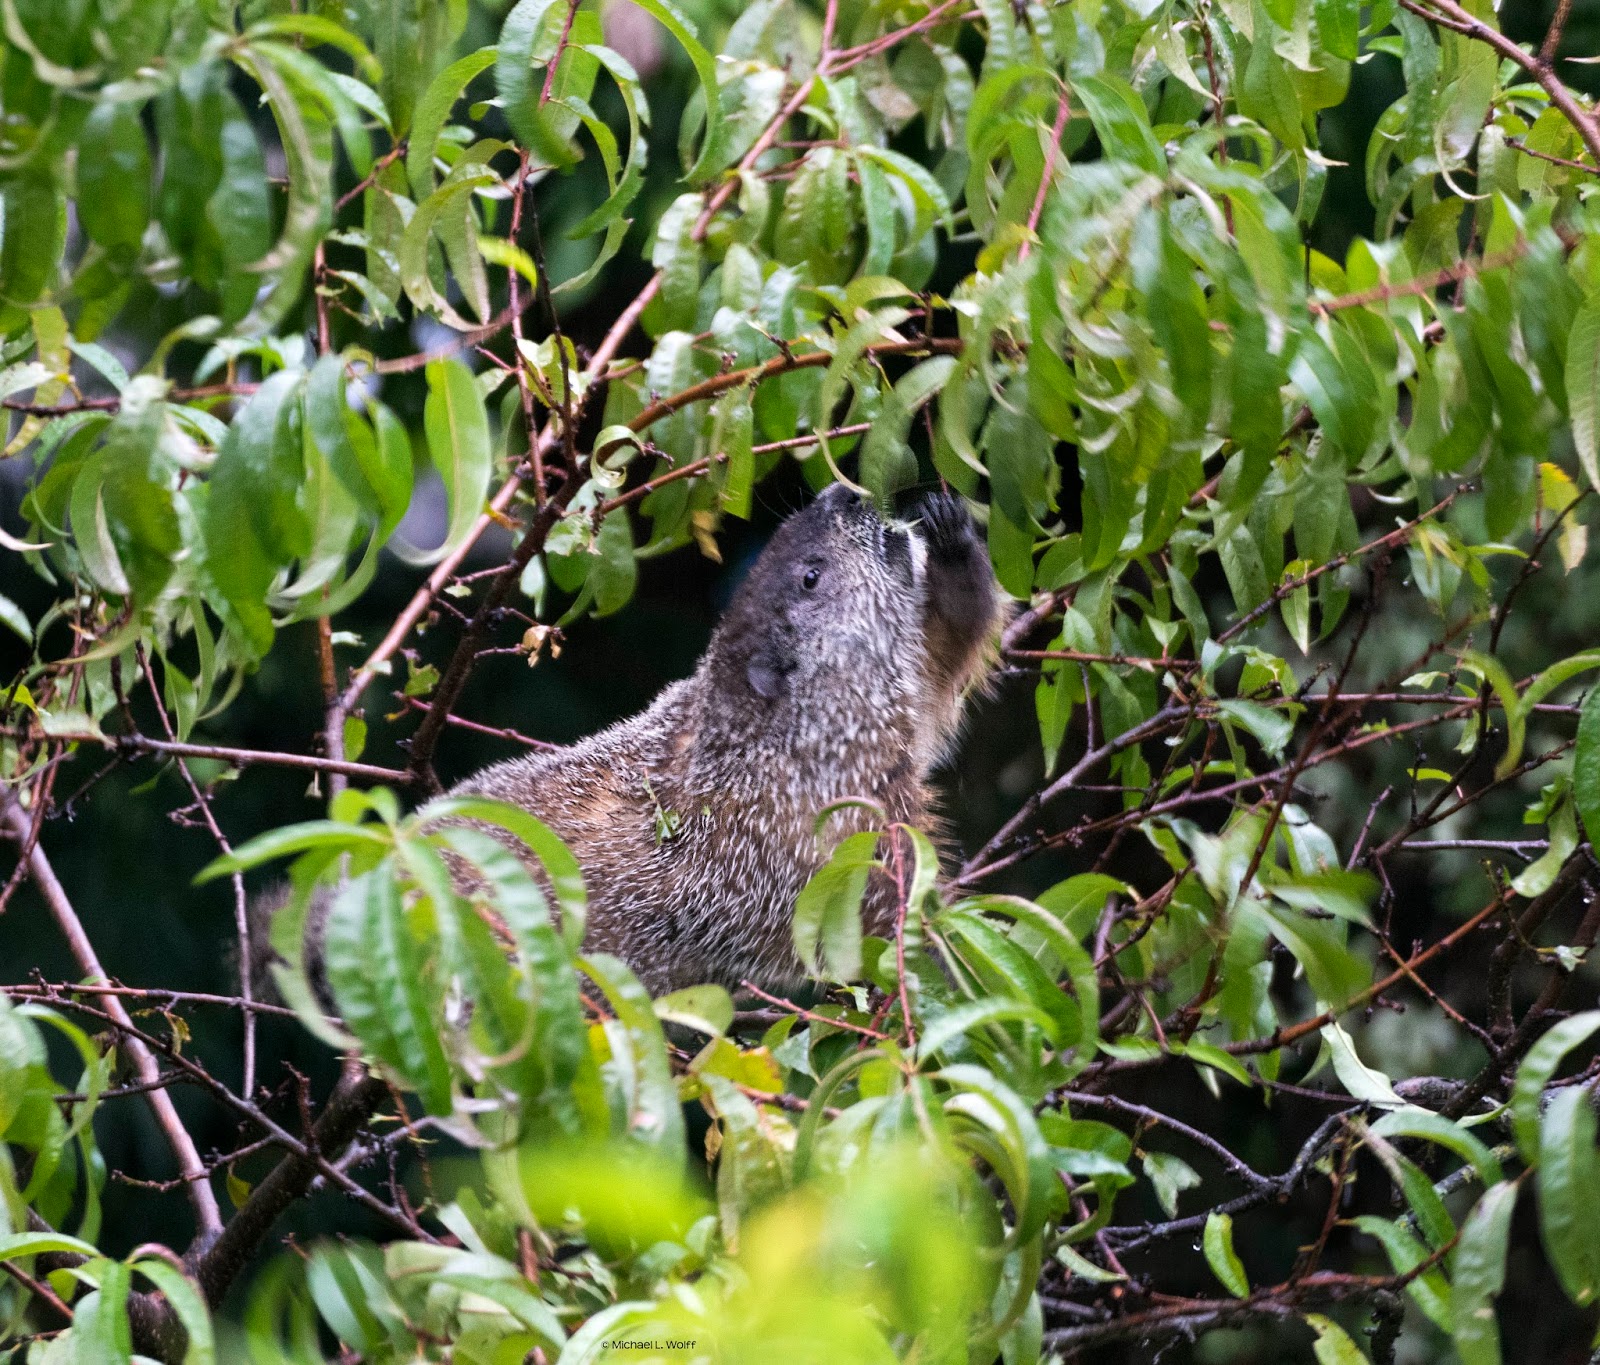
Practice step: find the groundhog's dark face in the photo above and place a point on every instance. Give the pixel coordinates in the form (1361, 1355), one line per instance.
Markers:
(829, 610)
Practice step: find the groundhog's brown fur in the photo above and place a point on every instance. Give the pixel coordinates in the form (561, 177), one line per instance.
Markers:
(838, 671)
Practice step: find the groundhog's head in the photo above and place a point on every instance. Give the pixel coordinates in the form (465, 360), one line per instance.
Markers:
(829, 617)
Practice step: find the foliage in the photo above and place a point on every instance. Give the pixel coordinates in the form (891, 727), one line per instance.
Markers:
(1275, 520)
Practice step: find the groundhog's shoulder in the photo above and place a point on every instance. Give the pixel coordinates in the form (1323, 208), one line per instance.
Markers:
(597, 777)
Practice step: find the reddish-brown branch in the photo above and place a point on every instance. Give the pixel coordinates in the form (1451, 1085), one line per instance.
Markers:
(782, 364)
(811, 1016)
(1294, 1032)
(494, 732)
(241, 905)
(700, 466)
(226, 754)
(1395, 537)
(38, 1288)
(1063, 111)
(406, 364)
(371, 178)
(555, 61)
(1452, 16)
(1552, 36)
(1423, 284)
(845, 58)
(1551, 157)
(208, 1216)
(155, 997)
(1147, 664)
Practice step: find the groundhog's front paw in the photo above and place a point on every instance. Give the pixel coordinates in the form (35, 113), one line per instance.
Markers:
(948, 529)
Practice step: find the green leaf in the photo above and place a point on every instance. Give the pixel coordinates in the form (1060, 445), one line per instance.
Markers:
(732, 433)
(17, 1244)
(1338, 24)
(654, 1118)
(961, 1019)
(100, 1330)
(318, 29)
(1546, 682)
(827, 912)
(887, 464)
(1170, 1175)
(981, 1102)
(1272, 729)
(446, 217)
(34, 212)
(1413, 1122)
(433, 110)
(615, 570)
(383, 452)
(114, 177)
(123, 514)
(92, 531)
(1586, 765)
(1208, 1054)
(307, 137)
(1079, 900)
(1535, 1073)
(375, 969)
(1583, 387)
(552, 1056)
(1333, 1345)
(1480, 1274)
(1120, 118)
(1540, 875)
(280, 843)
(1494, 674)
(327, 426)
(457, 426)
(673, 20)
(1429, 1289)
(566, 879)
(929, 200)
(188, 1303)
(1222, 1258)
(252, 518)
(1081, 1266)
(709, 1009)
(1361, 1080)
(333, 517)
(1569, 1192)
(526, 1307)
(676, 254)
(1333, 971)
(15, 619)
(518, 87)
(1050, 941)
(1177, 311)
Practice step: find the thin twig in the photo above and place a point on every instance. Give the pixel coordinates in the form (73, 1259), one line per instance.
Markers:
(208, 1216)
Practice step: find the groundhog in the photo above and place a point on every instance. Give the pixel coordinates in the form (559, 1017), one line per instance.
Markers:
(838, 671)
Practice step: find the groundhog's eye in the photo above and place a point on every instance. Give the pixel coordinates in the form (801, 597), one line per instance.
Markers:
(810, 579)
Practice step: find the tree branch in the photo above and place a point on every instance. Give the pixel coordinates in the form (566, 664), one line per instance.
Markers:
(1453, 16)
(208, 1217)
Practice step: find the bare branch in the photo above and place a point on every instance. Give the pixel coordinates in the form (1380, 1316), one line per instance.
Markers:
(208, 1216)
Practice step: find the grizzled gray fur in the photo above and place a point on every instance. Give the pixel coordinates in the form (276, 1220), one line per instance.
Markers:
(838, 671)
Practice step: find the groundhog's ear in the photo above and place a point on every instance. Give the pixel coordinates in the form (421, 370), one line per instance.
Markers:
(768, 673)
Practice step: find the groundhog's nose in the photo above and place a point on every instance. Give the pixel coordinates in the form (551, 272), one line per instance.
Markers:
(845, 500)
